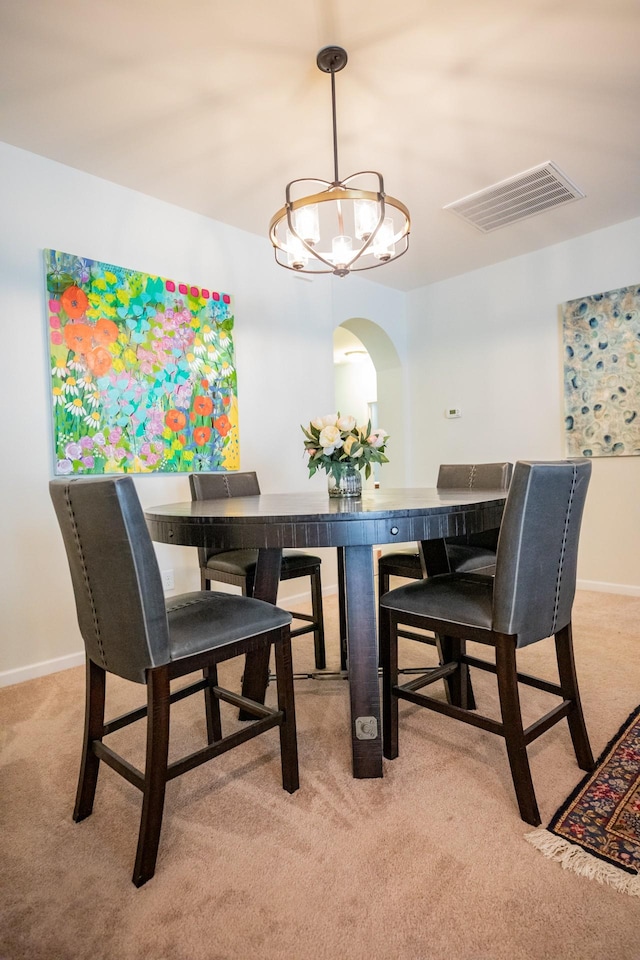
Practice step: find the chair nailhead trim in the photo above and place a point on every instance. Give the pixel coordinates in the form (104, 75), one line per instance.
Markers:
(184, 603)
(85, 575)
(563, 549)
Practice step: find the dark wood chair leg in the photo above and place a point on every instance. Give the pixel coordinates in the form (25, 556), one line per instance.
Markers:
(513, 730)
(93, 730)
(450, 650)
(465, 679)
(155, 774)
(286, 703)
(458, 687)
(569, 685)
(388, 634)
(383, 587)
(318, 619)
(342, 610)
(212, 705)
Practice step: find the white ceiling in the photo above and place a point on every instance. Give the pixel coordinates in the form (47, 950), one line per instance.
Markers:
(215, 104)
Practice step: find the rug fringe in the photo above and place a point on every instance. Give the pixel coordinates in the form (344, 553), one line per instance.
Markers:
(582, 863)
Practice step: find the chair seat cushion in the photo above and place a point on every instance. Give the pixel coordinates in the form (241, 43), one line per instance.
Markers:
(465, 558)
(464, 599)
(203, 620)
(401, 563)
(242, 563)
(406, 553)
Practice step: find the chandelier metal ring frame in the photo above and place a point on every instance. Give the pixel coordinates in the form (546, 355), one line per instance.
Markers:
(380, 222)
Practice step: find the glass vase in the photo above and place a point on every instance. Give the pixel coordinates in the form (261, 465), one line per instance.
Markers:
(347, 483)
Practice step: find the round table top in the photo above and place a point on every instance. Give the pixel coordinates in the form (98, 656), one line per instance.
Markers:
(315, 519)
(301, 507)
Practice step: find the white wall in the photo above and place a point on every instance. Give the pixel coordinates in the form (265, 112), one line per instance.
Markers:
(284, 352)
(489, 342)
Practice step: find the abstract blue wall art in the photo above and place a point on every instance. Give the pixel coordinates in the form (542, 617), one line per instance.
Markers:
(601, 339)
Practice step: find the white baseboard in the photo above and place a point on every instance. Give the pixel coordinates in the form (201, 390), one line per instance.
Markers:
(598, 586)
(287, 600)
(20, 674)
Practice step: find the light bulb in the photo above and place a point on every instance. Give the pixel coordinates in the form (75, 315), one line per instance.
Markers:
(366, 216)
(297, 256)
(383, 245)
(307, 223)
(341, 251)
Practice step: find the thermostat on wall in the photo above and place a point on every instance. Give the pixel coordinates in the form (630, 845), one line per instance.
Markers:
(452, 412)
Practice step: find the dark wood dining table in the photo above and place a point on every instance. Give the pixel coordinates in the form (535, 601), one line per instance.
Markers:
(272, 522)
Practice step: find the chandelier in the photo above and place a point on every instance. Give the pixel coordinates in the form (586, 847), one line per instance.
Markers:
(342, 226)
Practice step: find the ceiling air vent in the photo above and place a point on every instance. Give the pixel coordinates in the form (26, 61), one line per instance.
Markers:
(517, 198)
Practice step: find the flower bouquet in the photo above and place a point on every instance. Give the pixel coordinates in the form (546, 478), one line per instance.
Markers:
(337, 445)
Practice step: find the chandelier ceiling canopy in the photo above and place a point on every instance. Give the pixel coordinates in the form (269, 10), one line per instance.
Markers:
(340, 226)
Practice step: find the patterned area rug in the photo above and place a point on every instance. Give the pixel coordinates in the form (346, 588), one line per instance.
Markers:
(596, 831)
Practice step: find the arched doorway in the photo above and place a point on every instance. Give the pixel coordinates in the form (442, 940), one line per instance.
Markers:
(374, 384)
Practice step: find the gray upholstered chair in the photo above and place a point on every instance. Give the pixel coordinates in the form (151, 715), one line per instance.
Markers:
(238, 567)
(131, 631)
(530, 598)
(473, 553)
(477, 552)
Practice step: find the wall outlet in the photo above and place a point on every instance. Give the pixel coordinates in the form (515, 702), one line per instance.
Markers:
(168, 581)
(452, 413)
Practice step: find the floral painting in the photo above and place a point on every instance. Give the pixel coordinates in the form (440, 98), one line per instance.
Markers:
(143, 376)
(601, 336)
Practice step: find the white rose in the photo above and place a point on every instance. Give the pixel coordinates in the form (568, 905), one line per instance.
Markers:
(348, 444)
(330, 439)
(346, 423)
(317, 423)
(329, 420)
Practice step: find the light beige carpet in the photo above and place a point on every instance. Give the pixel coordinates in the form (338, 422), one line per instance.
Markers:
(429, 862)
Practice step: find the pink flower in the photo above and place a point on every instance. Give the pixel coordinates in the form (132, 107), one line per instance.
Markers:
(54, 306)
(56, 337)
(377, 438)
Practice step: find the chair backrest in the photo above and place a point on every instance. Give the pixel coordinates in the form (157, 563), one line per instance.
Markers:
(114, 570)
(535, 579)
(475, 476)
(219, 486)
